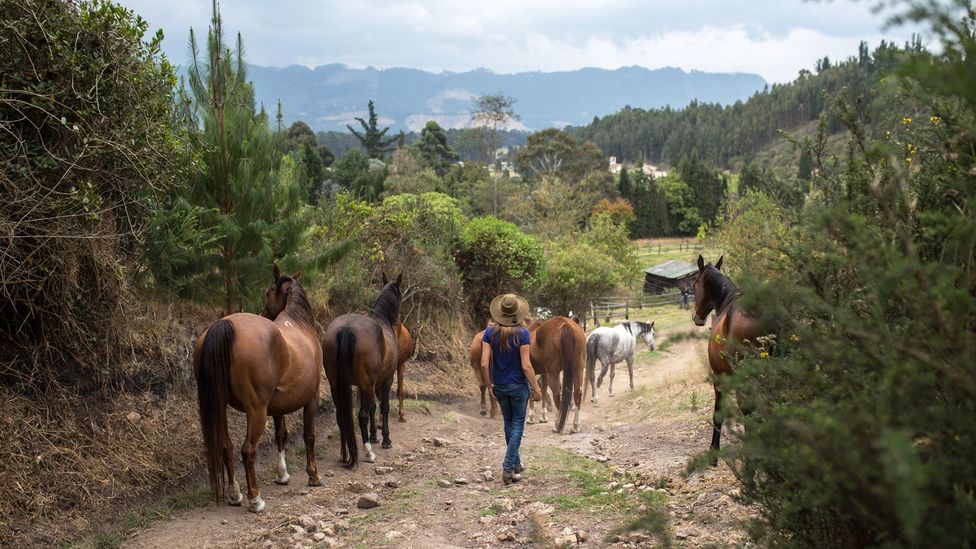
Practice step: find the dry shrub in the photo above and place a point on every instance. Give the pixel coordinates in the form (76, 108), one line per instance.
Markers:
(71, 460)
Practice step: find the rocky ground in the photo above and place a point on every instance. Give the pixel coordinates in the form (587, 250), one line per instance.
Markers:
(440, 485)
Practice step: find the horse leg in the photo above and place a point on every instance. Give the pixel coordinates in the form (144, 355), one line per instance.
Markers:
(372, 415)
(578, 393)
(234, 495)
(400, 369)
(555, 386)
(281, 438)
(366, 402)
(385, 412)
(613, 372)
(308, 423)
(484, 404)
(255, 428)
(604, 366)
(716, 426)
(591, 378)
(544, 385)
(630, 370)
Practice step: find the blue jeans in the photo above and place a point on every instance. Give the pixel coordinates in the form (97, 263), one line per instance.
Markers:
(513, 399)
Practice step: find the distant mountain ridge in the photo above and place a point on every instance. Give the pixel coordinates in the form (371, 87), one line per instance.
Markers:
(330, 96)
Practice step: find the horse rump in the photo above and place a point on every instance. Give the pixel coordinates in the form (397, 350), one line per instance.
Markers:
(345, 353)
(568, 352)
(213, 385)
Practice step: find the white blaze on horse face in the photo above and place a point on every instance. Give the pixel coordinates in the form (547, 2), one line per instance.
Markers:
(283, 476)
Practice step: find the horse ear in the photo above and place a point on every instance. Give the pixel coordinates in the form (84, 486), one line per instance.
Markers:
(277, 271)
(718, 264)
(384, 279)
(297, 273)
(652, 324)
(701, 263)
(399, 279)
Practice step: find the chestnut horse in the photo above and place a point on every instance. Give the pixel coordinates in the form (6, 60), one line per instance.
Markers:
(558, 345)
(733, 330)
(405, 346)
(362, 350)
(261, 365)
(474, 359)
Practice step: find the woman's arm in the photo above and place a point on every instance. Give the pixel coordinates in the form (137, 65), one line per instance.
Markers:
(525, 354)
(485, 361)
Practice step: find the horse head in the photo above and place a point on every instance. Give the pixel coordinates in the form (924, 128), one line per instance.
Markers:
(647, 334)
(704, 300)
(387, 305)
(277, 294)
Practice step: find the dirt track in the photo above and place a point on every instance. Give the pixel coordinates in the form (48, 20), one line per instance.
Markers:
(630, 455)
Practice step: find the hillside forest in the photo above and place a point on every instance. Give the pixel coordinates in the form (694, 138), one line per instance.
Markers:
(139, 206)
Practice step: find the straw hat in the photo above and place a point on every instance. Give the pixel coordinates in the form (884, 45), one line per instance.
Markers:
(508, 309)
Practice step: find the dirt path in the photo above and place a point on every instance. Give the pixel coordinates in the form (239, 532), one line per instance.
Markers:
(629, 456)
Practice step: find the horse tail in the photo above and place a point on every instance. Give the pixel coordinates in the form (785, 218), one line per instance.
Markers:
(592, 345)
(568, 350)
(213, 386)
(346, 347)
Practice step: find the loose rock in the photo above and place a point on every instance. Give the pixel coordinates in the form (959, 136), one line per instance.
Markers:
(582, 536)
(384, 470)
(444, 483)
(392, 535)
(441, 442)
(565, 541)
(392, 483)
(318, 536)
(488, 476)
(307, 523)
(368, 501)
(461, 481)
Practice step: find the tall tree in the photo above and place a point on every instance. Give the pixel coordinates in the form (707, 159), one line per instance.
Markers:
(300, 141)
(433, 149)
(493, 112)
(372, 138)
(246, 185)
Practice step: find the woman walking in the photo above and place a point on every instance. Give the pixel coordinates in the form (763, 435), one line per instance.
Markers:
(505, 347)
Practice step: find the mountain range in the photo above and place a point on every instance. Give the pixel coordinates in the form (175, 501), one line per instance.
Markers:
(328, 97)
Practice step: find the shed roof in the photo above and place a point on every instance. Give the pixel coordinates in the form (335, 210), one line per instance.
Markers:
(674, 269)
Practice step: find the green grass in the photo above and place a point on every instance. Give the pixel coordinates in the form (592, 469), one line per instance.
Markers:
(417, 406)
(139, 518)
(586, 485)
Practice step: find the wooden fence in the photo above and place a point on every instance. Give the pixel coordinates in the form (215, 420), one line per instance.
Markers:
(607, 310)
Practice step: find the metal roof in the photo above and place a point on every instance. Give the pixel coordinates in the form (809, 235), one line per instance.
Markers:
(674, 269)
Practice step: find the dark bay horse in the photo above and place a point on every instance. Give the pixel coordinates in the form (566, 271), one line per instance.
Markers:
(362, 350)
(261, 365)
(559, 346)
(474, 359)
(733, 331)
(405, 346)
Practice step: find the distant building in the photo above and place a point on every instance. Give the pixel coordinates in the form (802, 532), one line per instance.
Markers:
(648, 168)
(668, 276)
(614, 166)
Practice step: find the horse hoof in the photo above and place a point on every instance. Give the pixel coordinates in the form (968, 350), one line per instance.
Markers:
(403, 419)
(484, 413)
(544, 420)
(235, 502)
(530, 421)
(314, 481)
(373, 440)
(554, 429)
(574, 430)
(256, 505)
(387, 444)
(283, 479)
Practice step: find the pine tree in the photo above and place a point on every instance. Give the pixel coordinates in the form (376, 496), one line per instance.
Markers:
(247, 189)
(624, 185)
(372, 138)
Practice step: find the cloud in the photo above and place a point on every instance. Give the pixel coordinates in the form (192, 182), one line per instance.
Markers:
(773, 38)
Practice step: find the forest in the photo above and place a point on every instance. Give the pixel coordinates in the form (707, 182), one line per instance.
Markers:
(138, 204)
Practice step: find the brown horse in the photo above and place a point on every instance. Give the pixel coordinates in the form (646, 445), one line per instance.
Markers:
(474, 359)
(558, 345)
(261, 365)
(405, 346)
(362, 350)
(733, 331)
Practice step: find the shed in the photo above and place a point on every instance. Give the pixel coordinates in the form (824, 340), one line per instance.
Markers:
(669, 275)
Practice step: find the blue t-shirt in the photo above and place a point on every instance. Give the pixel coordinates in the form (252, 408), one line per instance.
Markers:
(506, 364)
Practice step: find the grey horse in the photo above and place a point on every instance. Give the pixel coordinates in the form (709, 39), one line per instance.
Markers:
(610, 346)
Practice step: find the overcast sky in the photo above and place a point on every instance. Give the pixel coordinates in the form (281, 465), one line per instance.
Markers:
(772, 38)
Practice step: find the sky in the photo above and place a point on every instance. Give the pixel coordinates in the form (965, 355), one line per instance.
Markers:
(772, 38)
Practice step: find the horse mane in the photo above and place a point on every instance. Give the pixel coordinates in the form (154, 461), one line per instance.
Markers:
(720, 287)
(297, 305)
(387, 306)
